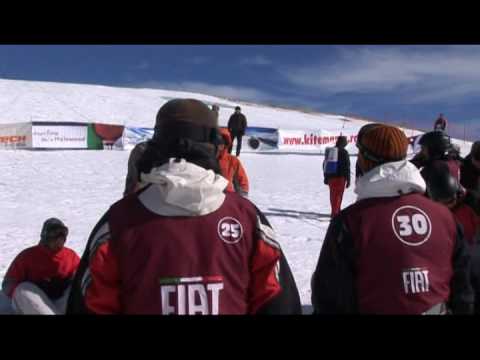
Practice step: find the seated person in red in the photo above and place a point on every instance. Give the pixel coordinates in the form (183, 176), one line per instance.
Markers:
(231, 167)
(39, 277)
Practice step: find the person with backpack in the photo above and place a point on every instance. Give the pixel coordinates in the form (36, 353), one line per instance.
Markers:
(337, 173)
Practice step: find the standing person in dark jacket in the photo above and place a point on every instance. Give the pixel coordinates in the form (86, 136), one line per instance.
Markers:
(440, 124)
(394, 251)
(337, 173)
(237, 124)
(182, 245)
(470, 169)
(39, 278)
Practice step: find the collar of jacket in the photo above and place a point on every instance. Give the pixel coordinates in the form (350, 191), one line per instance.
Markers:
(182, 189)
(390, 180)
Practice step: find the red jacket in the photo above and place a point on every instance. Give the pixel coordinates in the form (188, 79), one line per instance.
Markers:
(50, 271)
(232, 168)
(225, 262)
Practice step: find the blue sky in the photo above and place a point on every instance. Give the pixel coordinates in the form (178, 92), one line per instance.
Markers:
(402, 84)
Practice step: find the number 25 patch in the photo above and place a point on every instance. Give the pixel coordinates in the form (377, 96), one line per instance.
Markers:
(230, 230)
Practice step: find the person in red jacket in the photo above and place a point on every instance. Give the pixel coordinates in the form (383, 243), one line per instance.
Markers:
(39, 277)
(231, 166)
(394, 251)
(182, 245)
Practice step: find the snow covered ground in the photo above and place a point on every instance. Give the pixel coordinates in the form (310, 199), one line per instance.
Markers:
(79, 186)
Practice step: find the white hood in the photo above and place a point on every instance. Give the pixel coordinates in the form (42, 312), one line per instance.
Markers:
(182, 189)
(389, 180)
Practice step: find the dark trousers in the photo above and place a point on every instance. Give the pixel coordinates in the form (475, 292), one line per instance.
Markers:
(239, 143)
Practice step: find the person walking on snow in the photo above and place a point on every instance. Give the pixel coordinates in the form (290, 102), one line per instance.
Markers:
(394, 251)
(337, 173)
(182, 245)
(231, 166)
(39, 278)
(237, 124)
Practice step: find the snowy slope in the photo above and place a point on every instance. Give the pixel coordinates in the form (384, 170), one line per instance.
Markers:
(79, 186)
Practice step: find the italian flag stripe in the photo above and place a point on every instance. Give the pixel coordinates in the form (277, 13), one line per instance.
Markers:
(196, 279)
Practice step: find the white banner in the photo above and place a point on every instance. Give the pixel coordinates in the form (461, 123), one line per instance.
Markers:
(16, 136)
(59, 136)
(313, 141)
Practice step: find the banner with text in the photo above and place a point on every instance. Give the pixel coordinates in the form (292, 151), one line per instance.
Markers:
(16, 136)
(313, 141)
(60, 136)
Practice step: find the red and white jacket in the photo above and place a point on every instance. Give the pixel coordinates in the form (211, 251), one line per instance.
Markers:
(182, 246)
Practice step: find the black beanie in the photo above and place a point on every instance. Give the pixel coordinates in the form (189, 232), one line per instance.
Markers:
(186, 118)
(52, 226)
(184, 128)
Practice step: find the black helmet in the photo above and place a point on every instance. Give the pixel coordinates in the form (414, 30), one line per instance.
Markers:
(437, 142)
(341, 141)
(441, 184)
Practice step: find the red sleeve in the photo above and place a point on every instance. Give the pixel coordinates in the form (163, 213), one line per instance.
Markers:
(16, 274)
(242, 177)
(264, 281)
(75, 261)
(102, 295)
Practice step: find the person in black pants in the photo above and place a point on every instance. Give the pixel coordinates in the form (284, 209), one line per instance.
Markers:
(237, 125)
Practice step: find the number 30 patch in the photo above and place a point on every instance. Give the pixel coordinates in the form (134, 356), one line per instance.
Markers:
(411, 225)
(230, 230)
